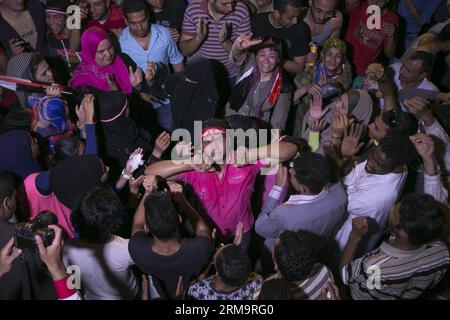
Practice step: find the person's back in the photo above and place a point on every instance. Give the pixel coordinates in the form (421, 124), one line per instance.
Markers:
(105, 273)
(319, 207)
(166, 256)
(102, 257)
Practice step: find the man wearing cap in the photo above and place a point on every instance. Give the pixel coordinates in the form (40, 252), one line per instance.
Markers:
(223, 188)
(58, 35)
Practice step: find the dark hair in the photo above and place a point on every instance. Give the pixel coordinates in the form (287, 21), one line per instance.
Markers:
(238, 121)
(215, 123)
(97, 215)
(133, 6)
(399, 150)
(421, 217)
(17, 118)
(400, 122)
(280, 5)
(66, 148)
(161, 215)
(312, 170)
(233, 265)
(426, 58)
(275, 289)
(444, 35)
(7, 186)
(294, 255)
(36, 59)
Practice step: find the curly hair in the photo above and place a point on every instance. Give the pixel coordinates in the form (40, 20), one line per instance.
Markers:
(161, 216)
(399, 150)
(421, 217)
(233, 265)
(97, 216)
(294, 256)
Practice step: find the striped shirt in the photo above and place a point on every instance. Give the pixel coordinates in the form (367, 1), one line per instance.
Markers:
(311, 288)
(400, 274)
(211, 48)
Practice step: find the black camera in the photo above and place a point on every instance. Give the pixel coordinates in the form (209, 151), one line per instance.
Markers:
(25, 232)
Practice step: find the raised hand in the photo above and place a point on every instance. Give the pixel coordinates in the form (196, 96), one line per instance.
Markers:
(53, 91)
(134, 161)
(389, 29)
(282, 176)
(360, 226)
(418, 106)
(161, 144)
(136, 76)
(135, 183)
(244, 41)
(112, 83)
(339, 124)
(150, 71)
(17, 46)
(350, 145)
(51, 255)
(238, 234)
(224, 33)
(424, 145)
(87, 104)
(79, 110)
(202, 29)
(318, 125)
(175, 34)
(315, 108)
(7, 255)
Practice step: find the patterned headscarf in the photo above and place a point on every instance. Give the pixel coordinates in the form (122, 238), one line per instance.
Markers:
(19, 67)
(334, 43)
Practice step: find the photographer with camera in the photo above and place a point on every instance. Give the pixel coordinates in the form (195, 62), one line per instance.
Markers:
(17, 272)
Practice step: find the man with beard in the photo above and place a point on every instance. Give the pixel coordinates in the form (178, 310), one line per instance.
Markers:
(324, 21)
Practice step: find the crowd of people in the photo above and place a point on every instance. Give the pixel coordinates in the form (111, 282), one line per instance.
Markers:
(346, 198)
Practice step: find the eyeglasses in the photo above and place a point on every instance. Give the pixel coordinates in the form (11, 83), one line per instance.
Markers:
(320, 12)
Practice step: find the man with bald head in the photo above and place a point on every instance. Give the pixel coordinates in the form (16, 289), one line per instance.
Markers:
(324, 20)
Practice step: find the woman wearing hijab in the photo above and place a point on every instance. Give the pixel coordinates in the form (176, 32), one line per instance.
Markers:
(357, 104)
(193, 94)
(18, 152)
(120, 134)
(332, 68)
(49, 111)
(262, 89)
(60, 189)
(101, 68)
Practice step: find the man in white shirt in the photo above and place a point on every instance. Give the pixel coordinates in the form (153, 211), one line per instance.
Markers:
(374, 185)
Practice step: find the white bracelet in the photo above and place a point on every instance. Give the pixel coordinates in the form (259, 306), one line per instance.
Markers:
(125, 176)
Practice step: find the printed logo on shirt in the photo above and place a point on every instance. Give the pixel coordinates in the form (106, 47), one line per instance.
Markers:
(372, 39)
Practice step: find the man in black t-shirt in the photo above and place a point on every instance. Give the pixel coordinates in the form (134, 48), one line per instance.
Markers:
(169, 14)
(284, 23)
(167, 256)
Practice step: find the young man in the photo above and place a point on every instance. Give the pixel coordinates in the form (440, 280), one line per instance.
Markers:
(23, 28)
(373, 185)
(210, 28)
(151, 44)
(410, 263)
(318, 207)
(59, 36)
(223, 187)
(103, 14)
(295, 262)
(234, 279)
(169, 14)
(368, 44)
(166, 256)
(324, 21)
(284, 23)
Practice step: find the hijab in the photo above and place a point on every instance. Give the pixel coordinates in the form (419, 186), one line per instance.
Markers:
(72, 178)
(89, 73)
(194, 99)
(16, 154)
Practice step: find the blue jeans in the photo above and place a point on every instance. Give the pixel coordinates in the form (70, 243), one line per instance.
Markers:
(164, 114)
